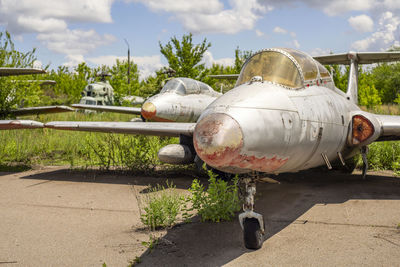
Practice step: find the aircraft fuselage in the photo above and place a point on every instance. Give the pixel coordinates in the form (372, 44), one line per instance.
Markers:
(268, 128)
(173, 107)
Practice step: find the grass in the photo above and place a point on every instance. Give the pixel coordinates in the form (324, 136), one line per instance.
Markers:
(83, 149)
(162, 206)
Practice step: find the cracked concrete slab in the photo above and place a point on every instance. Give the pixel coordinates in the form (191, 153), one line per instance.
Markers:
(57, 217)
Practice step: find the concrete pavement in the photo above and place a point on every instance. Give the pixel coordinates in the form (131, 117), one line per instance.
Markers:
(55, 217)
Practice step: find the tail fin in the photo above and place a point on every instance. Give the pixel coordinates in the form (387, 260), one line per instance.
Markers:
(353, 59)
(352, 85)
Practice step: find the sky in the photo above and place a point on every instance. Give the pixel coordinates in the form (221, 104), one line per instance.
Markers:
(68, 32)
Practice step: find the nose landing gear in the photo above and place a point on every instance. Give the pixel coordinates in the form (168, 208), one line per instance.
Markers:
(251, 222)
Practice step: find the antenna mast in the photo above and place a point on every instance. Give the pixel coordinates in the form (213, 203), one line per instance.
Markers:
(129, 67)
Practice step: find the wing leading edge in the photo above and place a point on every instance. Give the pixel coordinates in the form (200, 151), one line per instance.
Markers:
(19, 124)
(146, 128)
(125, 110)
(40, 110)
(20, 71)
(360, 57)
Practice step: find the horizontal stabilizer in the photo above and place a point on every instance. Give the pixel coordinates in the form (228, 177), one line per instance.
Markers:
(126, 110)
(390, 127)
(19, 124)
(40, 110)
(360, 57)
(146, 128)
(20, 71)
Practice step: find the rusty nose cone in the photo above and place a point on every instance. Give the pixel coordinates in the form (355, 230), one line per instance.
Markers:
(148, 110)
(218, 140)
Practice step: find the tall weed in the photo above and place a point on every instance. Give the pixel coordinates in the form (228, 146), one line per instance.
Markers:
(162, 207)
(219, 202)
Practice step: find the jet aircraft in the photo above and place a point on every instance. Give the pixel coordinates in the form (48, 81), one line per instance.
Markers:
(284, 115)
(180, 100)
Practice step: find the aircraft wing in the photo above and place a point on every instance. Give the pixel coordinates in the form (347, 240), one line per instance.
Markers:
(146, 128)
(390, 127)
(19, 124)
(362, 57)
(20, 71)
(126, 110)
(40, 110)
(224, 76)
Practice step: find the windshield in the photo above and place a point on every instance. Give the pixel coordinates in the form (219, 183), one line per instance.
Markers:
(271, 66)
(174, 86)
(90, 102)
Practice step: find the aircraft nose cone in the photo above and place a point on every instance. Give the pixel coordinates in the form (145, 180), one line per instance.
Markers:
(218, 140)
(148, 110)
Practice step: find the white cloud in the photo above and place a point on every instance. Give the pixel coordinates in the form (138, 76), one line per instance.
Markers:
(362, 23)
(37, 64)
(280, 30)
(320, 52)
(338, 7)
(296, 44)
(208, 60)
(331, 8)
(74, 43)
(183, 6)
(49, 20)
(74, 60)
(259, 33)
(386, 36)
(209, 16)
(48, 15)
(147, 65)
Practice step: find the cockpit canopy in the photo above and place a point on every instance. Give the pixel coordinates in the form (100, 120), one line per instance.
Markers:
(187, 86)
(287, 67)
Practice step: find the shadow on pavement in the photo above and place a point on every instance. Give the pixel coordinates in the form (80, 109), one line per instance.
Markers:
(181, 179)
(216, 244)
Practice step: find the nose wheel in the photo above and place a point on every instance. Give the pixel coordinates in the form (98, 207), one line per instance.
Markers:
(252, 223)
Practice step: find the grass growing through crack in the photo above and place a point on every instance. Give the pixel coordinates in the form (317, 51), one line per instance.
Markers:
(218, 202)
(162, 206)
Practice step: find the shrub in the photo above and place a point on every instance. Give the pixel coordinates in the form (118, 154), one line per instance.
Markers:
(218, 203)
(162, 207)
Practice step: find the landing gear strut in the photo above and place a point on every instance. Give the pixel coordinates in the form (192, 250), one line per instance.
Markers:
(251, 222)
(364, 152)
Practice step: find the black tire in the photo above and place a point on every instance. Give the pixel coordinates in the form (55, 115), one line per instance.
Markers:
(253, 238)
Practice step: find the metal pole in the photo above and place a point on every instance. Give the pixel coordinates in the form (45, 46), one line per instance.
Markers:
(129, 67)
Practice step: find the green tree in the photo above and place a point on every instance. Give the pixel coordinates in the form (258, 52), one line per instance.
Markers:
(184, 57)
(240, 58)
(386, 78)
(215, 69)
(13, 90)
(119, 78)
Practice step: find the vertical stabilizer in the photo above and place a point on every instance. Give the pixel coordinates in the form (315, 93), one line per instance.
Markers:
(352, 86)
